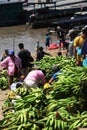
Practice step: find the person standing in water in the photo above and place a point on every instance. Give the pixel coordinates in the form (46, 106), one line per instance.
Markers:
(48, 40)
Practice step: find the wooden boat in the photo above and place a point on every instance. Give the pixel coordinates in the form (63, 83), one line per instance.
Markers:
(12, 13)
(43, 17)
(79, 18)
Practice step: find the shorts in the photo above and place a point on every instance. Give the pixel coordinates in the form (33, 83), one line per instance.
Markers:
(47, 43)
(30, 84)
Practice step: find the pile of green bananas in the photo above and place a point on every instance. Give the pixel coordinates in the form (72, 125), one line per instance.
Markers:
(47, 62)
(22, 91)
(61, 108)
(3, 80)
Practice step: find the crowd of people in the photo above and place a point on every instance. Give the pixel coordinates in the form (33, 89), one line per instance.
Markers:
(21, 65)
(74, 43)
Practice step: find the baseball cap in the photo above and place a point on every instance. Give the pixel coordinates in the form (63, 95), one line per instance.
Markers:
(10, 52)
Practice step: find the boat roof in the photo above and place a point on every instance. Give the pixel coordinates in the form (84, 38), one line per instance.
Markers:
(81, 13)
(9, 1)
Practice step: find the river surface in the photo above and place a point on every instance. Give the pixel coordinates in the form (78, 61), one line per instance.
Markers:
(10, 37)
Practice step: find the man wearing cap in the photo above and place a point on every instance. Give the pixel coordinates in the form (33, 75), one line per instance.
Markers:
(13, 66)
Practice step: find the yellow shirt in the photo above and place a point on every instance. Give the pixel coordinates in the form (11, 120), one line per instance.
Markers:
(78, 41)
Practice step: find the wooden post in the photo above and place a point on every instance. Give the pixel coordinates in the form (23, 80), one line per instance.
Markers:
(14, 42)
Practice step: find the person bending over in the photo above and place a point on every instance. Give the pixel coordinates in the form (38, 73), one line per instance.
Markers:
(34, 79)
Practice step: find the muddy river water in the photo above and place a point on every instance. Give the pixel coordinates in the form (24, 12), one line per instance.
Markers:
(10, 37)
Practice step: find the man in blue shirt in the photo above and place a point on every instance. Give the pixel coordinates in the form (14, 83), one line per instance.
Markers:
(48, 40)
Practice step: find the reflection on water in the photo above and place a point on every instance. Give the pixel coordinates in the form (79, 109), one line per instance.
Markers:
(10, 37)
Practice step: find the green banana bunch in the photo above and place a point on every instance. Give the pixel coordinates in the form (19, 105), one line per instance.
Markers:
(80, 121)
(62, 125)
(49, 121)
(3, 83)
(22, 91)
(52, 107)
(24, 116)
(35, 127)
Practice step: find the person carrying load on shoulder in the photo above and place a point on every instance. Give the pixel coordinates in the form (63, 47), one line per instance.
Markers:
(78, 44)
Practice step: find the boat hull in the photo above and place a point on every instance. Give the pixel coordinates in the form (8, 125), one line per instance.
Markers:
(12, 14)
(79, 20)
(45, 17)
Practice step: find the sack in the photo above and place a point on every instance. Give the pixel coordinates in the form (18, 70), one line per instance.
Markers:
(85, 62)
(53, 46)
(79, 50)
(84, 48)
